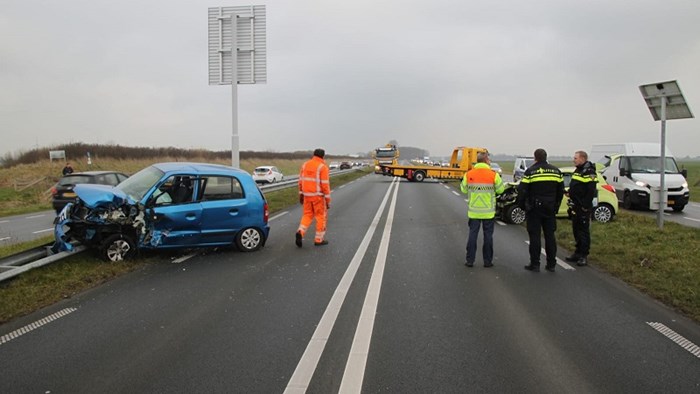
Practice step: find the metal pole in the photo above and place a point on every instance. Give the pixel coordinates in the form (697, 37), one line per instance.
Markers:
(662, 191)
(234, 89)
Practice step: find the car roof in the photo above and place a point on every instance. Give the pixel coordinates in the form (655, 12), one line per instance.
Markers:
(198, 168)
(92, 173)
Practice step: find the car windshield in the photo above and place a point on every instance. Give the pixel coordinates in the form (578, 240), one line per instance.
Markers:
(650, 164)
(138, 184)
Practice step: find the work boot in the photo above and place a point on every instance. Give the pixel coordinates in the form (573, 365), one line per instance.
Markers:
(582, 261)
(573, 258)
(550, 268)
(468, 264)
(297, 239)
(324, 242)
(488, 264)
(532, 267)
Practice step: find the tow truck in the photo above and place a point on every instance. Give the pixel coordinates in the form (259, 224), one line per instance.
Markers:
(462, 160)
(385, 155)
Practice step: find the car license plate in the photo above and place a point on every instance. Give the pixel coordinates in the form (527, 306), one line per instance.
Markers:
(69, 194)
(671, 202)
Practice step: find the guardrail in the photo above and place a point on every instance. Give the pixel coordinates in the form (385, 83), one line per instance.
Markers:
(16, 264)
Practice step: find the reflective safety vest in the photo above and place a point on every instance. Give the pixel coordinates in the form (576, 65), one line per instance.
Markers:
(313, 179)
(482, 184)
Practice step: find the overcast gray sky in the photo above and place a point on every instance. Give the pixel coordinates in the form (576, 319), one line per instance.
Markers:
(507, 75)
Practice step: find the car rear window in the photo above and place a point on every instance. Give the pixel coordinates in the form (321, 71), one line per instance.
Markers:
(262, 170)
(75, 179)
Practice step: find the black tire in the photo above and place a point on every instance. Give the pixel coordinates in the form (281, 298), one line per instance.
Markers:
(249, 239)
(117, 247)
(513, 214)
(627, 200)
(678, 208)
(603, 213)
(273, 180)
(419, 176)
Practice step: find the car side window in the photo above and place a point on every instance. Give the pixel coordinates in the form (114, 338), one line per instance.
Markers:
(221, 188)
(177, 189)
(111, 179)
(121, 177)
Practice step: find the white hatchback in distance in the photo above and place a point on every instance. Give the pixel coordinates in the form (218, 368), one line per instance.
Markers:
(267, 174)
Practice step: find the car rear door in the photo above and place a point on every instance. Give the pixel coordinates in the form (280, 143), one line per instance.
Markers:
(225, 210)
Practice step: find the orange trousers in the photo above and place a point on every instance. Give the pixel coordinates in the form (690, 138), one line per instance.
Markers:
(314, 208)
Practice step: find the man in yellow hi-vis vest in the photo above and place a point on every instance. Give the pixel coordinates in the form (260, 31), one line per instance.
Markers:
(315, 195)
(481, 184)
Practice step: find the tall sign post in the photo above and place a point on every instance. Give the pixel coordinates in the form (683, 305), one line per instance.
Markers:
(665, 101)
(237, 54)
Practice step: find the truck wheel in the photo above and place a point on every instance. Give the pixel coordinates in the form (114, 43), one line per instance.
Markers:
(419, 176)
(603, 213)
(627, 200)
(514, 214)
(117, 247)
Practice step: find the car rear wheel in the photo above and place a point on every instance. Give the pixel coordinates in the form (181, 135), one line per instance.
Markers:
(603, 213)
(117, 247)
(249, 239)
(514, 214)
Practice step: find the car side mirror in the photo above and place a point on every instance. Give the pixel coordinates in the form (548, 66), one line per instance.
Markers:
(684, 172)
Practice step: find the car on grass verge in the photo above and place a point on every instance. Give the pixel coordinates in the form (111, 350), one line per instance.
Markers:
(497, 168)
(166, 205)
(605, 210)
(62, 193)
(267, 174)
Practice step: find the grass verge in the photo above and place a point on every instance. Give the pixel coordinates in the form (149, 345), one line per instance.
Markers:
(661, 263)
(49, 284)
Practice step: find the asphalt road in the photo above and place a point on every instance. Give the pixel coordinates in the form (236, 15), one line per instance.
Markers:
(387, 307)
(21, 228)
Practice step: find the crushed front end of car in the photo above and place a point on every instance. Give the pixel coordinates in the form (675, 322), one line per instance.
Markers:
(101, 217)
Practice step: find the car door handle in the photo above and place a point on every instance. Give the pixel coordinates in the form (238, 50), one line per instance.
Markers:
(233, 211)
(191, 216)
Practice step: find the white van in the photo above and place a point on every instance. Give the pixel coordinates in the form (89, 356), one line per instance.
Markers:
(633, 169)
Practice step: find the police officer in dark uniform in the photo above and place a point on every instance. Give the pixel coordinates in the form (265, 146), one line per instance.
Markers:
(540, 193)
(582, 191)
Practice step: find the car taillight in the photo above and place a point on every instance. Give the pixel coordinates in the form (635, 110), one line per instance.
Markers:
(54, 191)
(269, 172)
(266, 213)
(609, 188)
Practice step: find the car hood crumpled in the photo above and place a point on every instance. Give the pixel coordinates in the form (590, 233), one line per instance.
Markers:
(94, 196)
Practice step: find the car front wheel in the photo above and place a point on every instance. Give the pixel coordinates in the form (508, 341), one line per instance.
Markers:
(117, 247)
(603, 213)
(514, 214)
(249, 239)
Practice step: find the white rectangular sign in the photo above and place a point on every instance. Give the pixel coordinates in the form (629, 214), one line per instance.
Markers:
(250, 37)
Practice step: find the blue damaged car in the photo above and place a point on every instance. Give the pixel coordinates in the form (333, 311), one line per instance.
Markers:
(166, 205)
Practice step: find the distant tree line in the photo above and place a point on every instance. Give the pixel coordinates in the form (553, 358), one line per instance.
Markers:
(80, 150)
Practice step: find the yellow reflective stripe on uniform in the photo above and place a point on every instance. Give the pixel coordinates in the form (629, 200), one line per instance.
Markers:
(583, 178)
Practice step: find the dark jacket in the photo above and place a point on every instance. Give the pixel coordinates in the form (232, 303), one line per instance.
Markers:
(541, 189)
(582, 188)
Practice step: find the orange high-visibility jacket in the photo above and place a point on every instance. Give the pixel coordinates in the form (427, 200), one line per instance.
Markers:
(313, 179)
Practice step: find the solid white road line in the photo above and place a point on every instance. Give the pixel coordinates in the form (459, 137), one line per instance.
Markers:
(279, 215)
(304, 371)
(561, 262)
(184, 258)
(4, 221)
(357, 360)
(43, 231)
(677, 338)
(687, 218)
(3, 239)
(31, 327)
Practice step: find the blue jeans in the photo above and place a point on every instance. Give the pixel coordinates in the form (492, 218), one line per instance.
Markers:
(487, 249)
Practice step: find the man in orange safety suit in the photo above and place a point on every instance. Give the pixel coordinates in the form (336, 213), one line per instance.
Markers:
(315, 195)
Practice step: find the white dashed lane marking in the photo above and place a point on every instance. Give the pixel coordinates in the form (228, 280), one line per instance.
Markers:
(677, 338)
(31, 327)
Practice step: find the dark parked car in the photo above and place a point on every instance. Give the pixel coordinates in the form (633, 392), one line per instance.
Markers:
(166, 205)
(63, 192)
(345, 165)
